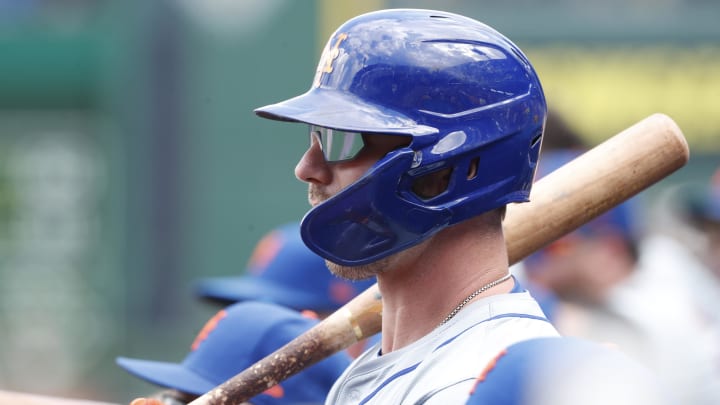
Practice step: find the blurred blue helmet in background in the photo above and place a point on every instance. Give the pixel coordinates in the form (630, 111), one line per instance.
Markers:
(466, 95)
(284, 271)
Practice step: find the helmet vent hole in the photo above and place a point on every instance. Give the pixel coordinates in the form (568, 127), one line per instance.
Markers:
(473, 168)
(438, 16)
(432, 184)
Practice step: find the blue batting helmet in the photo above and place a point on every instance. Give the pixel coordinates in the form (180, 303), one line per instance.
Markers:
(468, 97)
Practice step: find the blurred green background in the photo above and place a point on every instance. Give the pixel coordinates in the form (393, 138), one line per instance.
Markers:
(131, 163)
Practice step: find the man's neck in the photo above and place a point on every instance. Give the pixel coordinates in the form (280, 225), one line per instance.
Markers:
(434, 277)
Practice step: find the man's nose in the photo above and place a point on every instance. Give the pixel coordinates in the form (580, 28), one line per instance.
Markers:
(312, 167)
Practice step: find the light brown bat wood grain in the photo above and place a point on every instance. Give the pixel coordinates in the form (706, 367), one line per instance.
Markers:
(560, 202)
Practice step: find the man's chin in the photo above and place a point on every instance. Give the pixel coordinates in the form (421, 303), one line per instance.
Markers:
(316, 197)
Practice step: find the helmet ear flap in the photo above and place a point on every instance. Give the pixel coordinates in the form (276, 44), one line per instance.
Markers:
(365, 222)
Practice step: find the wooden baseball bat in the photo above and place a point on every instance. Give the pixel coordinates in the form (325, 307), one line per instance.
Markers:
(560, 202)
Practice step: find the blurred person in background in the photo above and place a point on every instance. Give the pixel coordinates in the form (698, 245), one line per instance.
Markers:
(607, 287)
(282, 270)
(689, 237)
(701, 209)
(230, 342)
(679, 258)
(558, 135)
(581, 269)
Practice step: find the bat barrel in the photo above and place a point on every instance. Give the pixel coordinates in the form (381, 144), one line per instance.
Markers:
(594, 182)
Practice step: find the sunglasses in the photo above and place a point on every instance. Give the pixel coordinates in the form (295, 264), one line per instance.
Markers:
(337, 145)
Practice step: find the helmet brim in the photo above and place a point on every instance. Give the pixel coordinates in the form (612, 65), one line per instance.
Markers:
(344, 111)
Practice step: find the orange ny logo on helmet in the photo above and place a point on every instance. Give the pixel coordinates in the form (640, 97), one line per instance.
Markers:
(328, 57)
(209, 327)
(265, 251)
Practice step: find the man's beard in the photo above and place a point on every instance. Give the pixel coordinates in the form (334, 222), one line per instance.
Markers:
(354, 273)
(361, 272)
(317, 196)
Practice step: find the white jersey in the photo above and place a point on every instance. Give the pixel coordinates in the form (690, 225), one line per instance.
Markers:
(441, 368)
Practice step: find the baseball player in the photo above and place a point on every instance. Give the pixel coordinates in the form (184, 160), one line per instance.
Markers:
(231, 341)
(423, 125)
(702, 210)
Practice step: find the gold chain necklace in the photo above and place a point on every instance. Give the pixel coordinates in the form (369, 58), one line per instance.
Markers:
(473, 295)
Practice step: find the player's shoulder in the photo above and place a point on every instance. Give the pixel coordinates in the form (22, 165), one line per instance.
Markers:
(564, 370)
